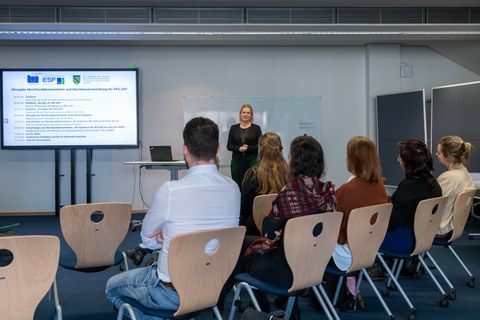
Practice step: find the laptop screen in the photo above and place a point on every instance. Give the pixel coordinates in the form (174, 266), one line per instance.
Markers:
(161, 153)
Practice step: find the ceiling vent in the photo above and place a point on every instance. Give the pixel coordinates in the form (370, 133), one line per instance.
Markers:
(104, 15)
(28, 14)
(187, 16)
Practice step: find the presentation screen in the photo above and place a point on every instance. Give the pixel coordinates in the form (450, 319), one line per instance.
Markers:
(69, 108)
(400, 116)
(456, 111)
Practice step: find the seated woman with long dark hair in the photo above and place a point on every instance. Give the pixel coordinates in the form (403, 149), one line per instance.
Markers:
(419, 184)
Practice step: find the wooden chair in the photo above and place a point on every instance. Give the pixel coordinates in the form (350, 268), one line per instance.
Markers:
(461, 212)
(94, 232)
(28, 265)
(428, 216)
(197, 276)
(308, 243)
(262, 205)
(366, 230)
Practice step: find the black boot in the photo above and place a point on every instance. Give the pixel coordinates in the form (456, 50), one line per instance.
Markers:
(136, 255)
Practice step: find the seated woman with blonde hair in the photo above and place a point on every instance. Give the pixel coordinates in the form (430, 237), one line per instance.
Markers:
(453, 153)
(270, 175)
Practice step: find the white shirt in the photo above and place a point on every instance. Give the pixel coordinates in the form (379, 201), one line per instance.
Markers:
(203, 199)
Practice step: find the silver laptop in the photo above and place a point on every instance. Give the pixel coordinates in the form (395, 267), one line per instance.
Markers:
(161, 153)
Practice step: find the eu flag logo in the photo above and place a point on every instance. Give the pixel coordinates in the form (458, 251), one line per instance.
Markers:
(76, 78)
(32, 79)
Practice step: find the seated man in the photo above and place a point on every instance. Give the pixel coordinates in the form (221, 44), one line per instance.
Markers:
(203, 199)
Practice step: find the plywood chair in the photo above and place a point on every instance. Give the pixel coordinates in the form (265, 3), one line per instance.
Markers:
(366, 230)
(197, 276)
(94, 232)
(428, 216)
(28, 265)
(461, 212)
(262, 205)
(308, 243)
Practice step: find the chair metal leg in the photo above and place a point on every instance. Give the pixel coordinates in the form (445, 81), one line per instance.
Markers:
(289, 307)
(394, 279)
(128, 308)
(471, 281)
(444, 300)
(217, 313)
(325, 302)
(453, 294)
(125, 261)
(337, 290)
(377, 293)
(396, 268)
(240, 286)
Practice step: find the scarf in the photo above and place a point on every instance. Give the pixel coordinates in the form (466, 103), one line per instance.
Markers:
(304, 195)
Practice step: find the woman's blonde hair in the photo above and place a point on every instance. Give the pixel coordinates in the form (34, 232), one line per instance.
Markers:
(363, 160)
(272, 170)
(246, 105)
(454, 148)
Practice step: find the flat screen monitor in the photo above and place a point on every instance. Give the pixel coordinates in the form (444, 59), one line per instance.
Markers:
(69, 108)
(456, 111)
(400, 117)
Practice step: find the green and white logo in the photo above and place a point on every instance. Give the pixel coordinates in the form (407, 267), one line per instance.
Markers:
(76, 78)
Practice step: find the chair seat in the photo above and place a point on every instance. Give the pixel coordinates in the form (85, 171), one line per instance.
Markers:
(332, 269)
(265, 286)
(46, 310)
(68, 260)
(164, 314)
(441, 242)
(397, 255)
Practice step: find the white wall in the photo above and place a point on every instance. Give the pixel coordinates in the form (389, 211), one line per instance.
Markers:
(346, 77)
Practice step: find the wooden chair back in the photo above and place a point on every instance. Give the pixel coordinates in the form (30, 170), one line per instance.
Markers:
(309, 242)
(461, 212)
(366, 229)
(95, 242)
(26, 279)
(428, 216)
(198, 273)
(262, 205)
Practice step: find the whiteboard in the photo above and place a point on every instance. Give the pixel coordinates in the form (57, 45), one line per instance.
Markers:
(289, 117)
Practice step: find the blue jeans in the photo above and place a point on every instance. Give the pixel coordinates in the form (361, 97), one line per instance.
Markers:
(143, 285)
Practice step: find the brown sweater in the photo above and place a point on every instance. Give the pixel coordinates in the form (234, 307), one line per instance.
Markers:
(357, 193)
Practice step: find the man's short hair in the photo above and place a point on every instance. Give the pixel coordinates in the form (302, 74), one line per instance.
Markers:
(200, 136)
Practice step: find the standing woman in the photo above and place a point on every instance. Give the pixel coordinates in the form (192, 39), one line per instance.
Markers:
(419, 184)
(243, 142)
(453, 152)
(270, 175)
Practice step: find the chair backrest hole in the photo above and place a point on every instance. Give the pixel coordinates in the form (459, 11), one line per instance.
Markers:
(6, 257)
(373, 218)
(96, 217)
(317, 230)
(434, 209)
(211, 247)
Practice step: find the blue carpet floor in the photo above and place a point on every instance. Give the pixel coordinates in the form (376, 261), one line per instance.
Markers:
(82, 295)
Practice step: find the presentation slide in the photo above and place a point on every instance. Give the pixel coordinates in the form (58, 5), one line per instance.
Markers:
(69, 108)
